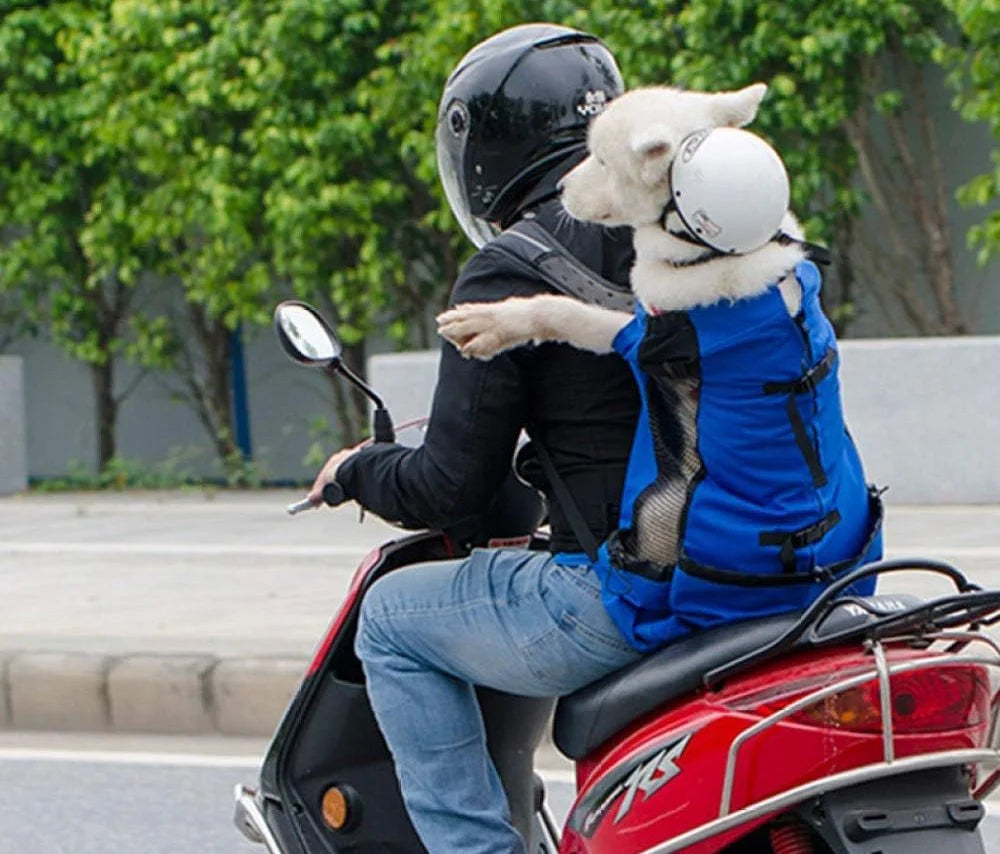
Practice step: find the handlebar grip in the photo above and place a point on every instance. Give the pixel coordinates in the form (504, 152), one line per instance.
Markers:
(299, 506)
(333, 494)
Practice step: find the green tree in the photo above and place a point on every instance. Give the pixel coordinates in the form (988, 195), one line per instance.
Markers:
(63, 198)
(337, 205)
(847, 101)
(975, 67)
(848, 107)
(173, 90)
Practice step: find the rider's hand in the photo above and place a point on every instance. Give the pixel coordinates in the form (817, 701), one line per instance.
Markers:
(329, 472)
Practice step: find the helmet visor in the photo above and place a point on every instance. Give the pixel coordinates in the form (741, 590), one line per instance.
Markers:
(450, 141)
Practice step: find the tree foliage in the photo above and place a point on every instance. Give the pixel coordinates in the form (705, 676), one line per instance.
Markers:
(171, 168)
(171, 92)
(975, 65)
(849, 110)
(64, 200)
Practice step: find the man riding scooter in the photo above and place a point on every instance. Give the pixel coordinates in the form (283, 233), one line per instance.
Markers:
(512, 121)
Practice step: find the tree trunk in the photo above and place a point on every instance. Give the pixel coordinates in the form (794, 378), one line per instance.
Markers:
(908, 253)
(106, 405)
(209, 388)
(840, 309)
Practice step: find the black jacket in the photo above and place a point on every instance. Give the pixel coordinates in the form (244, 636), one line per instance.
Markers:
(582, 406)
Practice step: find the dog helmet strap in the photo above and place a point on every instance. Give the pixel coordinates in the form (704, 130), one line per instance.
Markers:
(668, 209)
(814, 252)
(712, 253)
(671, 207)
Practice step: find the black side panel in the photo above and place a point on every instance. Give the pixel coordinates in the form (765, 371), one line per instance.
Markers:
(329, 736)
(339, 742)
(926, 812)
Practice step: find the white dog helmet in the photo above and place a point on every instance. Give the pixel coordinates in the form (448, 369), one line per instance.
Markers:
(730, 189)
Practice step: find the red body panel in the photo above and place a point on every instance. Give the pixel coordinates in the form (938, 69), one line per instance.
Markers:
(357, 583)
(627, 801)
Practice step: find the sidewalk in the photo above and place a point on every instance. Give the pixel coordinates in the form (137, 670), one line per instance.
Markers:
(191, 613)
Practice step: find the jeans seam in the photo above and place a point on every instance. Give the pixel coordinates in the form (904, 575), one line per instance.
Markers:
(407, 611)
(593, 634)
(576, 579)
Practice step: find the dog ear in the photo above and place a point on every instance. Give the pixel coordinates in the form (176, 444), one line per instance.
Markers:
(738, 108)
(653, 146)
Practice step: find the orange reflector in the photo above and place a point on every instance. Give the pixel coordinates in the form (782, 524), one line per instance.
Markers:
(336, 810)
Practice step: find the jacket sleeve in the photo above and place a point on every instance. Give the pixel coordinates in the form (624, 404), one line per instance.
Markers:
(477, 413)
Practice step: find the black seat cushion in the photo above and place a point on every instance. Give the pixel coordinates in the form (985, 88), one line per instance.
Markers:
(586, 719)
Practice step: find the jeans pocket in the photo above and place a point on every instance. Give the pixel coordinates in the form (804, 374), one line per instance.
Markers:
(583, 613)
(561, 664)
(581, 644)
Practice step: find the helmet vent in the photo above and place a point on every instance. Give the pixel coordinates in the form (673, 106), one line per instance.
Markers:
(458, 119)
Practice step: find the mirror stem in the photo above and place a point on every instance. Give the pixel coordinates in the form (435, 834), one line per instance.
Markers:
(359, 384)
(382, 429)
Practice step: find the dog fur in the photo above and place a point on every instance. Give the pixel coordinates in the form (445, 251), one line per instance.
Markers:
(624, 180)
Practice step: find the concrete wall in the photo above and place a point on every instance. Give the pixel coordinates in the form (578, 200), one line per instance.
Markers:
(13, 455)
(285, 399)
(925, 413)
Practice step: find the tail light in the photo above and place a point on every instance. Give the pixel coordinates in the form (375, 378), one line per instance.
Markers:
(925, 700)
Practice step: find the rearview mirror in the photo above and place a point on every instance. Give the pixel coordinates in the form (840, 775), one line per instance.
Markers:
(308, 339)
(305, 336)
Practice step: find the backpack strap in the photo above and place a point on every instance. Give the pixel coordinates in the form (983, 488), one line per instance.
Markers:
(533, 244)
(581, 530)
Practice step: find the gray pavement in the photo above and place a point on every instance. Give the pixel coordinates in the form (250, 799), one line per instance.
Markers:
(191, 612)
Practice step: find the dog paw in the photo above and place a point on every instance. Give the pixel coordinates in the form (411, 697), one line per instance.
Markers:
(483, 330)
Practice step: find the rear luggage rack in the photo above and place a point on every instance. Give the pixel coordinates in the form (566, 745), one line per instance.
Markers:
(971, 606)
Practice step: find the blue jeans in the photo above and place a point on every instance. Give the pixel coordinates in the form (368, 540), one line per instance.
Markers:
(510, 620)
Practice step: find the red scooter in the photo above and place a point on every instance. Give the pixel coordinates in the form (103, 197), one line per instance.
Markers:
(863, 724)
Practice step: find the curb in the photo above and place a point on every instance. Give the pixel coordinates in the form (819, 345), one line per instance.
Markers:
(149, 693)
(157, 694)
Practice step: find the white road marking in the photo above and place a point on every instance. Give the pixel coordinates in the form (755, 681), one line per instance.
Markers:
(180, 549)
(196, 760)
(125, 757)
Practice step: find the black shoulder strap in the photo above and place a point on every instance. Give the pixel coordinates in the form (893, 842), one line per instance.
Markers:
(534, 244)
(581, 530)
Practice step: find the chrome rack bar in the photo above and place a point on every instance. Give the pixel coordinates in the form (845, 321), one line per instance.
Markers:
(885, 701)
(863, 774)
(822, 693)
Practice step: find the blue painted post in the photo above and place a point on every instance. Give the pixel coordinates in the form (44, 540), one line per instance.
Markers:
(241, 406)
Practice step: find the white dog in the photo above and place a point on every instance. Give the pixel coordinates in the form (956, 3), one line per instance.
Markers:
(625, 181)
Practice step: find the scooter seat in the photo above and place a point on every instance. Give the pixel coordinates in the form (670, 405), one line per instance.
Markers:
(589, 717)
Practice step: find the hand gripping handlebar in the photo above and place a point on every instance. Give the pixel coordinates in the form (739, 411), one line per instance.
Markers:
(333, 495)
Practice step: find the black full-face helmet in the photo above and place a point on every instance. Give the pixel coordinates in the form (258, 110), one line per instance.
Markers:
(515, 108)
